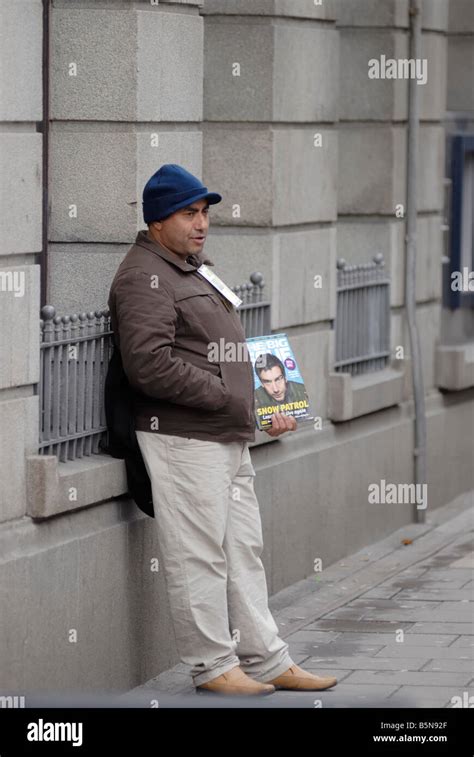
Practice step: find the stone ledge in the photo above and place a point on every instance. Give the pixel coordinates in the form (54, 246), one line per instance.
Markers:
(309, 10)
(455, 366)
(54, 487)
(352, 396)
(97, 478)
(181, 2)
(261, 437)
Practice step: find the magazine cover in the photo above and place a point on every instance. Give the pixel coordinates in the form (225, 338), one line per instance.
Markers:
(279, 385)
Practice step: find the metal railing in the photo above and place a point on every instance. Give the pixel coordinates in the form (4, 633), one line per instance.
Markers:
(74, 356)
(254, 311)
(362, 317)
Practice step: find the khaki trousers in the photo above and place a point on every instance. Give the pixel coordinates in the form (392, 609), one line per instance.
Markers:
(210, 538)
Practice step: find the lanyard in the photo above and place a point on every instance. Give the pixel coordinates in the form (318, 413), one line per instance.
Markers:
(218, 284)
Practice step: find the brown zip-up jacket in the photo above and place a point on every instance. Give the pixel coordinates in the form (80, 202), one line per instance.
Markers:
(165, 317)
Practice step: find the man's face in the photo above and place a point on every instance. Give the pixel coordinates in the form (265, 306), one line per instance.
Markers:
(185, 231)
(274, 382)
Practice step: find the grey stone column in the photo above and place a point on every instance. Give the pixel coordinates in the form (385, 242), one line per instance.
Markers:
(20, 242)
(270, 147)
(372, 157)
(126, 97)
(461, 57)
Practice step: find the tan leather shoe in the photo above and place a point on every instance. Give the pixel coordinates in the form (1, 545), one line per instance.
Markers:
(236, 682)
(299, 679)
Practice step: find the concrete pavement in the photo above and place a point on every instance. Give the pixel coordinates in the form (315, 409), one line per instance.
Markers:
(394, 622)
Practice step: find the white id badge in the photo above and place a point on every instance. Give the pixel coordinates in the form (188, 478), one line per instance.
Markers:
(216, 282)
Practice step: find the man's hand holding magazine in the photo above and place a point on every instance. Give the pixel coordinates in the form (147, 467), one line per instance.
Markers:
(280, 424)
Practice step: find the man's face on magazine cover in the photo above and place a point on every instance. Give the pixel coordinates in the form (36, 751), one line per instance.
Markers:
(274, 383)
(184, 232)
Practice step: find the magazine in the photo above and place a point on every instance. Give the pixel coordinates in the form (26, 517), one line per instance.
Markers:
(279, 385)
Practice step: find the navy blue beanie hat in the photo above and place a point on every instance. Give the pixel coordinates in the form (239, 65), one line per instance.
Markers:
(170, 189)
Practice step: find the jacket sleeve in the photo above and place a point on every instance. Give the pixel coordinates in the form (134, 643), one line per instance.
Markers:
(146, 321)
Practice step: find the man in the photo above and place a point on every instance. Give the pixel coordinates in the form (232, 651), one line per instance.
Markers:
(194, 418)
(275, 389)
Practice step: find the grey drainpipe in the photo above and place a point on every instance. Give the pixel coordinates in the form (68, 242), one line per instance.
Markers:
(410, 259)
(45, 178)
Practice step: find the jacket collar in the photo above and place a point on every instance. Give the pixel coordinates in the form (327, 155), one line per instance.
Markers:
(195, 259)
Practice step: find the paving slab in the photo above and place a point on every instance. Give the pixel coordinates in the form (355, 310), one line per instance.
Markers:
(348, 621)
